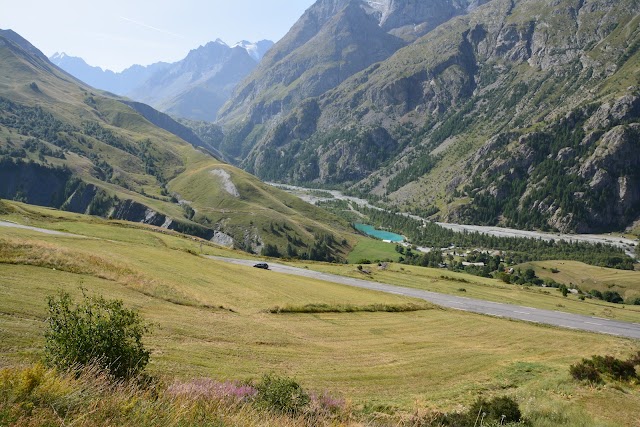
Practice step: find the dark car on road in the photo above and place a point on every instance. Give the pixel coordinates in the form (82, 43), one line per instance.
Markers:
(262, 265)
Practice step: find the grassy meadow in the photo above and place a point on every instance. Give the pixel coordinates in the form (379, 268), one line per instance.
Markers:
(372, 249)
(588, 277)
(462, 284)
(211, 319)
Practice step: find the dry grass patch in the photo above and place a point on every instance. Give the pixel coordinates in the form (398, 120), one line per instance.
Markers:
(48, 255)
(55, 257)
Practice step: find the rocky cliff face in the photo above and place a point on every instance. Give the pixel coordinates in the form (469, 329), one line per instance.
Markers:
(411, 19)
(579, 174)
(331, 42)
(484, 116)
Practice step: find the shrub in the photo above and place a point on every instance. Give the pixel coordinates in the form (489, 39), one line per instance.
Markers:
(501, 409)
(529, 274)
(591, 369)
(635, 301)
(585, 371)
(96, 332)
(622, 370)
(281, 394)
(564, 290)
(612, 296)
(595, 293)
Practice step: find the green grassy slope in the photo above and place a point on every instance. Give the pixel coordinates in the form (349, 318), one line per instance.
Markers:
(210, 320)
(130, 169)
(588, 277)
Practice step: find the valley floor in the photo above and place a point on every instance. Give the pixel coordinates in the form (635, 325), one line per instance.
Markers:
(629, 245)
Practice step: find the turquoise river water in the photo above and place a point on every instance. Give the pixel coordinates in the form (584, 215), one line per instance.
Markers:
(378, 234)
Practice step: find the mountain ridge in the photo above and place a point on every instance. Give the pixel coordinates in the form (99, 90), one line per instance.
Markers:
(505, 74)
(187, 88)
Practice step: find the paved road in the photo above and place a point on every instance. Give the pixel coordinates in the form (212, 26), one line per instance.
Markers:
(528, 314)
(39, 230)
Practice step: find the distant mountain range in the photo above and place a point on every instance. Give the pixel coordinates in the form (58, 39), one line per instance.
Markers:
(523, 113)
(193, 88)
(118, 83)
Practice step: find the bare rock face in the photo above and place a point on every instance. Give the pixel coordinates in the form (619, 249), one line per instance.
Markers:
(614, 112)
(411, 19)
(618, 150)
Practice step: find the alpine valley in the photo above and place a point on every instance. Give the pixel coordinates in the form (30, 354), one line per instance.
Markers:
(522, 113)
(66, 145)
(154, 272)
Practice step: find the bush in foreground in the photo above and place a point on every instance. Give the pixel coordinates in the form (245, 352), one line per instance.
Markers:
(585, 371)
(96, 332)
(591, 370)
(281, 394)
(499, 411)
(88, 397)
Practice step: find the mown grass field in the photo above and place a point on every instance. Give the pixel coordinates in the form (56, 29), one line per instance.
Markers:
(210, 320)
(371, 249)
(588, 277)
(461, 284)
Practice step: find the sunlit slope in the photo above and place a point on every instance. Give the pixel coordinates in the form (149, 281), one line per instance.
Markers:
(66, 145)
(211, 319)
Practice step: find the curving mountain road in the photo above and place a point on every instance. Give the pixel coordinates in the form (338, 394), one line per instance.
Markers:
(528, 314)
(39, 230)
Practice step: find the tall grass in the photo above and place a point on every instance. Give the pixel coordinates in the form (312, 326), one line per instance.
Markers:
(36, 396)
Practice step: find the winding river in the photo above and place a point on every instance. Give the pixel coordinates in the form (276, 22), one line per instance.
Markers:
(628, 245)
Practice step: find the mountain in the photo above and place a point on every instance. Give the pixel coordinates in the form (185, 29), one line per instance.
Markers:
(197, 86)
(193, 88)
(119, 83)
(66, 145)
(521, 113)
(256, 50)
(333, 40)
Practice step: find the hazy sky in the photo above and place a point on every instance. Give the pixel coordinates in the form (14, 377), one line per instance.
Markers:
(115, 34)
